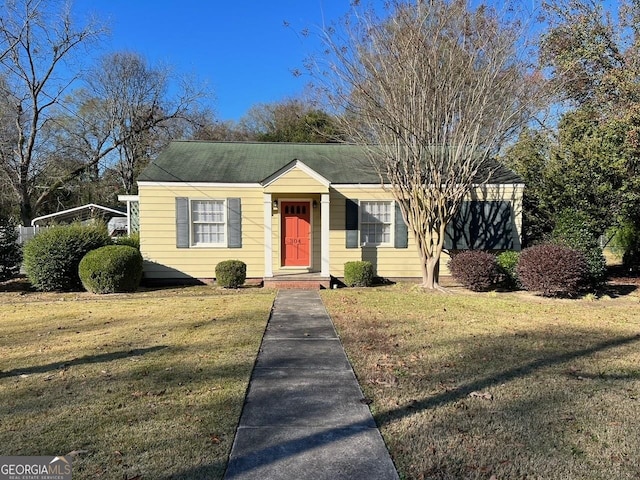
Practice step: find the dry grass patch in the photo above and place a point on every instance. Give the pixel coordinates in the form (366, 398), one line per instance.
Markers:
(480, 386)
(147, 385)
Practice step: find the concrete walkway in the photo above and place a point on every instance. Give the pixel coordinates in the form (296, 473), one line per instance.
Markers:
(304, 415)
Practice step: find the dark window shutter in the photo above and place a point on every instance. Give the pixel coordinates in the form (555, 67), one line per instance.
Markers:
(351, 223)
(401, 231)
(234, 223)
(182, 222)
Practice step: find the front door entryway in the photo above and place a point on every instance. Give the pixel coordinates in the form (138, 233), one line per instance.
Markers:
(296, 234)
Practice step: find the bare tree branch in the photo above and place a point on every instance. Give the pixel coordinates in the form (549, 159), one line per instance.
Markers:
(431, 91)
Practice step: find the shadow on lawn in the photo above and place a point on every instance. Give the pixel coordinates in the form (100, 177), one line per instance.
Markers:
(276, 453)
(103, 357)
(499, 378)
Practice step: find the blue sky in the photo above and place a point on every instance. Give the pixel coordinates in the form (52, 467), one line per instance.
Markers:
(240, 48)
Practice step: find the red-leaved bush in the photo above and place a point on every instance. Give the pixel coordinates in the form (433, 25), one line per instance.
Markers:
(475, 269)
(553, 270)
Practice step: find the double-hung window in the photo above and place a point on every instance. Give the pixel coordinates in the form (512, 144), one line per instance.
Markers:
(208, 222)
(376, 222)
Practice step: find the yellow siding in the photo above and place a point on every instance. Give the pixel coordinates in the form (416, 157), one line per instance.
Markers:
(298, 181)
(158, 233)
(164, 260)
(395, 262)
(389, 261)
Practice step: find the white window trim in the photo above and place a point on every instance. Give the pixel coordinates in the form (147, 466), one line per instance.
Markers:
(391, 242)
(192, 224)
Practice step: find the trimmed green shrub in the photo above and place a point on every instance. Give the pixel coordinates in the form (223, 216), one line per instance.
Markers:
(10, 251)
(553, 270)
(132, 240)
(51, 258)
(507, 262)
(573, 230)
(111, 269)
(231, 273)
(358, 274)
(477, 270)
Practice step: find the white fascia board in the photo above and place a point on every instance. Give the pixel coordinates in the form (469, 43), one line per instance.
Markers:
(128, 198)
(361, 186)
(388, 185)
(498, 185)
(199, 185)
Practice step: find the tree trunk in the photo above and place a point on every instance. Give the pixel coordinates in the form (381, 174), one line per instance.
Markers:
(432, 267)
(26, 210)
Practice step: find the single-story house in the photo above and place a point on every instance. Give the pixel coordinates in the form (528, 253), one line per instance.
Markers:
(290, 209)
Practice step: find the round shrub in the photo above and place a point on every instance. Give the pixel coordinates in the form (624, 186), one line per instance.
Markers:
(358, 274)
(231, 273)
(51, 258)
(111, 269)
(10, 251)
(553, 270)
(507, 263)
(475, 269)
(132, 240)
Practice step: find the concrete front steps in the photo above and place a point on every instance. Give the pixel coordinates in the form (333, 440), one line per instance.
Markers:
(299, 281)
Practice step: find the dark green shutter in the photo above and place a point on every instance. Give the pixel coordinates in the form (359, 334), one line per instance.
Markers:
(234, 223)
(401, 231)
(182, 222)
(351, 223)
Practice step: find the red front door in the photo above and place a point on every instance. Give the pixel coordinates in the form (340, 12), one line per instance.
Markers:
(296, 234)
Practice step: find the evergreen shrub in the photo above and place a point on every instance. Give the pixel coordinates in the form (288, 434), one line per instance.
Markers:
(51, 258)
(111, 269)
(477, 270)
(626, 243)
(132, 240)
(507, 262)
(358, 274)
(231, 273)
(10, 250)
(573, 230)
(553, 270)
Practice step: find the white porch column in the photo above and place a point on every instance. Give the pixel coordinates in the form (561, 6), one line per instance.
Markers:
(324, 234)
(268, 237)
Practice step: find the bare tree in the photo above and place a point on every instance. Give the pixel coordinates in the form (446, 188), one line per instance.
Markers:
(39, 38)
(124, 115)
(430, 91)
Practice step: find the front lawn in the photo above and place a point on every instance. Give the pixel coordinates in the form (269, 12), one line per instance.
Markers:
(498, 385)
(137, 386)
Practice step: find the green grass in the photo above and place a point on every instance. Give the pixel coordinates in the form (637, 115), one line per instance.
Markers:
(470, 386)
(147, 385)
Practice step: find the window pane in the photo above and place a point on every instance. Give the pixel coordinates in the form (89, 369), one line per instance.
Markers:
(375, 222)
(208, 211)
(208, 221)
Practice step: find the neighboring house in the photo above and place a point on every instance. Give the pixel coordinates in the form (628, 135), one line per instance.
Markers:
(287, 209)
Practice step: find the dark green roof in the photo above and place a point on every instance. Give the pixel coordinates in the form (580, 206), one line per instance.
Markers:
(247, 162)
